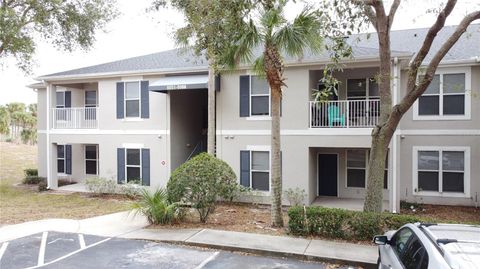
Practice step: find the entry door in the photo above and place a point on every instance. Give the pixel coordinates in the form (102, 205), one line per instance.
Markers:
(327, 174)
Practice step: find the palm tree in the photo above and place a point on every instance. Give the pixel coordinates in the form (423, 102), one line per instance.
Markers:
(271, 31)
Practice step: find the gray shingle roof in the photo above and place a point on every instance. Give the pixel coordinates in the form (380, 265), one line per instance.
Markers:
(403, 42)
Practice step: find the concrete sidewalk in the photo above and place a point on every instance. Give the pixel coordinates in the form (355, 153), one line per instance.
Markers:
(309, 249)
(131, 226)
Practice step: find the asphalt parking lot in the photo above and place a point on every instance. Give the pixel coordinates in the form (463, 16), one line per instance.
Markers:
(71, 250)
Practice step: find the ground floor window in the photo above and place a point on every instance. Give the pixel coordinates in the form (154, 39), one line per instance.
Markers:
(61, 163)
(133, 165)
(91, 159)
(260, 170)
(357, 160)
(441, 170)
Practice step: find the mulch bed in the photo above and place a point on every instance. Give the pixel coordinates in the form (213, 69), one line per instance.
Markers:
(444, 213)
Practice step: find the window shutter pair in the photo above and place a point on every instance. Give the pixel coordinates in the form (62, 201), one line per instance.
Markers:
(245, 167)
(144, 100)
(68, 158)
(245, 97)
(121, 162)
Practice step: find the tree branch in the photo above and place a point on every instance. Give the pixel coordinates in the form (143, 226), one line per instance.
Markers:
(366, 6)
(432, 33)
(391, 13)
(413, 91)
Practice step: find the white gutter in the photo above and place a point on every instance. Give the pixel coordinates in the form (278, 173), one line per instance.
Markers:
(396, 81)
(49, 168)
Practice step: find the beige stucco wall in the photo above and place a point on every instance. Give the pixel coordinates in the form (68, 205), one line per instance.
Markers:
(107, 150)
(406, 167)
(473, 123)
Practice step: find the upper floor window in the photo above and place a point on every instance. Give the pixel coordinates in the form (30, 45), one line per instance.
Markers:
(60, 96)
(255, 97)
(362, 89)
(90, 98)
(441, 170)
(259, 96)
(446, 97)
(132, 99)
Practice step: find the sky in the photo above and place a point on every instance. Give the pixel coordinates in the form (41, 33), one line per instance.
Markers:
(137, 32)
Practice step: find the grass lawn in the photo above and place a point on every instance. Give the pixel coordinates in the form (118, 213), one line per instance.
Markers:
(19, 204)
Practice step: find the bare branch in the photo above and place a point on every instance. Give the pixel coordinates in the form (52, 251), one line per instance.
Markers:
(414, 91)
(391, 13)
(432, 33)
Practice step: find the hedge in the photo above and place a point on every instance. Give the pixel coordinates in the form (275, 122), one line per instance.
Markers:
(343, 224)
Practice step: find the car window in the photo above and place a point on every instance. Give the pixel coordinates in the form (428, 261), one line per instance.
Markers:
(400, 240)
(414, 255)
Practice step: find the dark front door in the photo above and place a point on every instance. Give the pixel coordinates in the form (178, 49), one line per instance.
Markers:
(327, 174)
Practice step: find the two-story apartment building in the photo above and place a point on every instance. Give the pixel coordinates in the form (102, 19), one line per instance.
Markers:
(140, 118)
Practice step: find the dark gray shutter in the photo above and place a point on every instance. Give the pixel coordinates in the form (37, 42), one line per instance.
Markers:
(120, 165)
(68, 99)
(245, 168)
(120, 100)
(217, 83)
(68, 159)
(144, 97)
(244, 96)
(146, 167)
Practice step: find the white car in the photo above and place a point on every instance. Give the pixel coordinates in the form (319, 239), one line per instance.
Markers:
(430, 246)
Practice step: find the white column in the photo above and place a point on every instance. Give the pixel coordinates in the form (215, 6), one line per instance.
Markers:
(394, 160)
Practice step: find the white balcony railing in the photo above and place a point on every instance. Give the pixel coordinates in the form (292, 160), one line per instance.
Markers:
(344, 114)
(75, 118)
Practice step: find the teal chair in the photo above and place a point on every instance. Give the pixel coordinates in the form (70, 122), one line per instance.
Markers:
(334, 117)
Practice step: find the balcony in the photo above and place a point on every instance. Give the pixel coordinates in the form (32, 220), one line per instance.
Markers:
(344, 114)
(75, 118)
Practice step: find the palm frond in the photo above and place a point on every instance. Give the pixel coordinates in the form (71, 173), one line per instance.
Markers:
(259, 67)
(242, 50)
(303, 33)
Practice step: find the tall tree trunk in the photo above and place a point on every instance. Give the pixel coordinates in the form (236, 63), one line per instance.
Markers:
(211, 112)
(277, 219)
(274, 70)
(381, 135)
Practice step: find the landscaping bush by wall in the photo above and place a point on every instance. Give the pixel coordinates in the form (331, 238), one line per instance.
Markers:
(343, 224)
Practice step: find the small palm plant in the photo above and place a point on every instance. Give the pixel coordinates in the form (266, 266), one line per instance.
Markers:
(156, 207)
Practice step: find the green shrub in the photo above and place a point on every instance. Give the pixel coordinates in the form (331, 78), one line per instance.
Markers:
(297, 221)
(42, 186)
(30, 172)
(99, 185)
(199, 183)
(156, 207)
(327, 221)
(365, 225)
(131, 189)
(344, 224)
(33, 180)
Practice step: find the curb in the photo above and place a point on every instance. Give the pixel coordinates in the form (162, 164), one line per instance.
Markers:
(271, 253)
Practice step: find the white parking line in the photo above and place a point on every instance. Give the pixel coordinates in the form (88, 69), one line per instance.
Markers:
(2, 249)
(82, 241)
(41, 252)
(207, 260)
(71, 253)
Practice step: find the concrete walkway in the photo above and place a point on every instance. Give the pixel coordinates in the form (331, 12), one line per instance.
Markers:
(131, 226)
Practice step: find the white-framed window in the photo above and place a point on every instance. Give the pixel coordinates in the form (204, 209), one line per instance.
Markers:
(260, 101)
(362, 89)
(61, 160)
(357, 172)
(447, 97)
(90, 105)
(132, 99)
(133, 164)
(91, 159)
(441, 171)
(60, 99)
(260, 170)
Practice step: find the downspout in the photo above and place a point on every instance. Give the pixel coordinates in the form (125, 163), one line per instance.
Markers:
(396, 80)
(47, 133)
